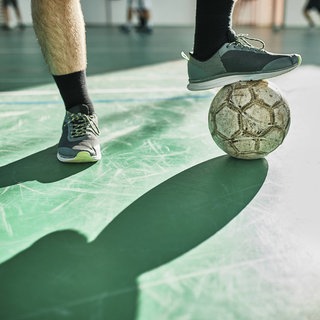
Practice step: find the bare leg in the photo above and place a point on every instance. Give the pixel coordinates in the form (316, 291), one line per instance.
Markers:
(59, 26)
(144, 17)
(129, 16)
(128, 25)
(308, 17)
(6, 17)
(18, 15)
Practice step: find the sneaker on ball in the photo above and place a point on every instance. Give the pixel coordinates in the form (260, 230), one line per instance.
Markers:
(236, 61)
(79, 141)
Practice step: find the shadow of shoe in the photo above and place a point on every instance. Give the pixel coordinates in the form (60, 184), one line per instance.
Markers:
(42, 166)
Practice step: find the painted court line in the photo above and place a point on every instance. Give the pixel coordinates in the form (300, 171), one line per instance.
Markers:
(94, 91)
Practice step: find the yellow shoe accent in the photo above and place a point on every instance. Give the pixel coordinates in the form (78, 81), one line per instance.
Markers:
(81, 157)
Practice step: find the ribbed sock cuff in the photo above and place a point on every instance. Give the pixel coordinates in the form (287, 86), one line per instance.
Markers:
(73, 89)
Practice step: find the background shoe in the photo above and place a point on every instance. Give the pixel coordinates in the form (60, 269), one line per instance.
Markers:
(5, 27)
(21, 26)
(125, 28)
(144, 29)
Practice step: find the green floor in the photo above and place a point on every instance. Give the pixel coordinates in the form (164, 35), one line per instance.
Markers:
(165, 226)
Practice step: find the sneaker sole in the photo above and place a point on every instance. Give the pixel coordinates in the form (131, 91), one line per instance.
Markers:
(81, 157)
(223, 81)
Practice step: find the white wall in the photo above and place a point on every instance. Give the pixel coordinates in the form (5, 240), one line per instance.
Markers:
(293, 13)
(101, 12)
(25, 8)
(182, 12)
(165, 12)
(95, 11)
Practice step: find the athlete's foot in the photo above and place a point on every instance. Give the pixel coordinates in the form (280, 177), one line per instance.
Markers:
(79, 141)
(144, 29)
(5, 27)
(21, 26)
(125, 28)
(238, 61)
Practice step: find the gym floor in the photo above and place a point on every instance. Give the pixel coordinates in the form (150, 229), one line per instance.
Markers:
(165, 226)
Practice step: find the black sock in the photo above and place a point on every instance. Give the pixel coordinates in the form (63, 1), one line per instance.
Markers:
(73, 90)
(142, 19)
(212, 28)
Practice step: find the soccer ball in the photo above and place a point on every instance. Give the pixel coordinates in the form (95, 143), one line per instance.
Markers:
(249, 119)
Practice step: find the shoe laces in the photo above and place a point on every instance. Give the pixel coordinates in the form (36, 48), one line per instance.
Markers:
(243, 40)
(81, 124)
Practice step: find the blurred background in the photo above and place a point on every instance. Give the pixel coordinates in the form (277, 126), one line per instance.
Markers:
(59, 225)
(181, 12)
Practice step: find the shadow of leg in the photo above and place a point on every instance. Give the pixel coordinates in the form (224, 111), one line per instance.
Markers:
(63, 277)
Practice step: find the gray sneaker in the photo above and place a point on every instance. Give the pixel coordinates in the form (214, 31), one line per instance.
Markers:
(238, 61)
(79, 141)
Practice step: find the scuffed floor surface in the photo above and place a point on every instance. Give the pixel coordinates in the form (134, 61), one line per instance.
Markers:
(222, 239)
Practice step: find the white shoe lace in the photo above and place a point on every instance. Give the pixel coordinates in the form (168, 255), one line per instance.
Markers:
(81, 123)
(243, 40)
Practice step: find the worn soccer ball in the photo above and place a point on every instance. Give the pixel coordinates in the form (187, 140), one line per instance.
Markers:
(249, 119)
